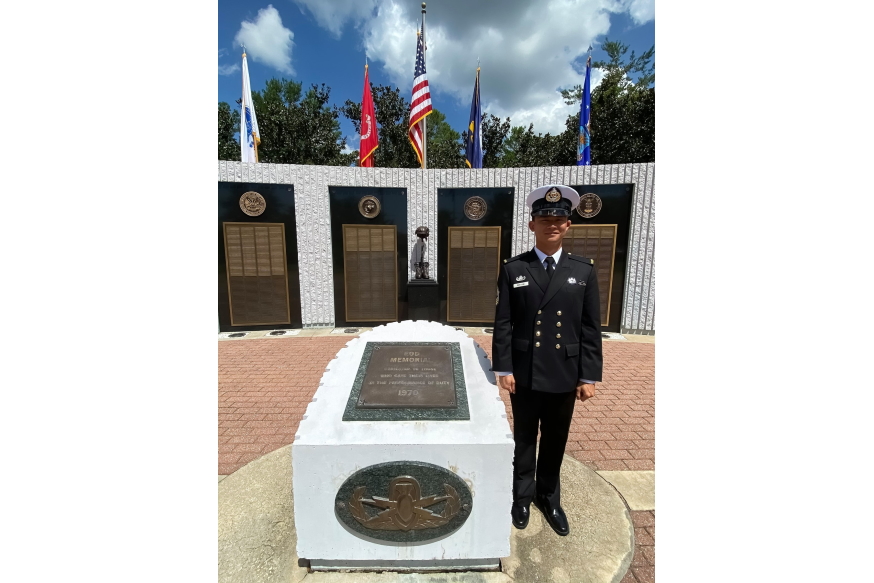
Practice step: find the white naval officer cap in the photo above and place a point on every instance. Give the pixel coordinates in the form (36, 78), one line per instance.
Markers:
(554, 200)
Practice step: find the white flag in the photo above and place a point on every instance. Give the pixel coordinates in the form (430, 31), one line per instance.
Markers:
(248, 122)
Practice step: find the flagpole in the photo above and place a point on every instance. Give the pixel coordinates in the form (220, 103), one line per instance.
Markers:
(425, 119)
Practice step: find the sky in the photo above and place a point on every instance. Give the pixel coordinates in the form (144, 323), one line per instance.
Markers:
(528, 50)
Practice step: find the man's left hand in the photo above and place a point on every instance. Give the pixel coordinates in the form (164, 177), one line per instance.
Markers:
(585, 391)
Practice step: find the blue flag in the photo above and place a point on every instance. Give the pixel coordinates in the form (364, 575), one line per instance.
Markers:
(584, 148)
(474, 156)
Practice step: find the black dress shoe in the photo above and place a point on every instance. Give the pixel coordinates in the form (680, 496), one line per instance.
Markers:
(520, 515)
(554, 515)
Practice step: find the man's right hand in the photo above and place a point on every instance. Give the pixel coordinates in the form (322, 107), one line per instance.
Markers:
(507, 383)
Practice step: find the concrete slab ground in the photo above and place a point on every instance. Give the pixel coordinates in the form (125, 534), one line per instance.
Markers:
(470, 331)
(255, 525)
(643, 338)
(638, 488)
(468, 577)
(257, 539)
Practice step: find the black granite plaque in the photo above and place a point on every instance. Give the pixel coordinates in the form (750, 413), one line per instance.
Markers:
(408, 376)
(404, 381)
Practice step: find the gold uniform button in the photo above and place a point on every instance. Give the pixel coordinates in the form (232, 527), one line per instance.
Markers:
(537, 333)
(538, 312)
(558, 313)
(537, 344)
(558, 335)
(538, 322)
(558, 324)
(558, 345)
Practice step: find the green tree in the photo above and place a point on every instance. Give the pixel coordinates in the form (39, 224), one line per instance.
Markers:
(228, 125)
(494, 133)
(445, 146)
(297, 127)
(523, 147)
(516, 149)
(392, 120)
(623, 107)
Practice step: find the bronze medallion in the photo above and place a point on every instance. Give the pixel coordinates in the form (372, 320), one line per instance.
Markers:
(252, 203)
(369, 206)
(553, 195)
(403, 502)
(475, 208)
(405, 508)
(590, 205)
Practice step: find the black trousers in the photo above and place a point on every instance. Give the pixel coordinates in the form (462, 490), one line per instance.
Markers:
(553, 413)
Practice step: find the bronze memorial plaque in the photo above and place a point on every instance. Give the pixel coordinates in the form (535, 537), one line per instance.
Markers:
(257, 280)
(409, 381)
(597, 242)
(473, 264)
(408, 376)
(370, 260)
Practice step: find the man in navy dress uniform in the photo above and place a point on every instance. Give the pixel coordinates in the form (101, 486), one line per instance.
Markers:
(546, 350)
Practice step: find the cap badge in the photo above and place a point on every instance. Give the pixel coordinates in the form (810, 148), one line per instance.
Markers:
(553, 195)
(520, 278)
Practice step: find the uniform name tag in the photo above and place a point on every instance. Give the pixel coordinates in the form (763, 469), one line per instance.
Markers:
(520, 284)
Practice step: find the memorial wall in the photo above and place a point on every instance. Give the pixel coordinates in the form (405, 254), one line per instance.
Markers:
(336, 252)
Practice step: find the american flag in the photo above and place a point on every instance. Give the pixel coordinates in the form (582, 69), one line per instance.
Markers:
(421, 102)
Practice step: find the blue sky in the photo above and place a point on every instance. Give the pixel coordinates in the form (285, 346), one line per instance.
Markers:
(527, 49)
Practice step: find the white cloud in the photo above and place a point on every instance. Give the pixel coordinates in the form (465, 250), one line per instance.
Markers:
(333, 15)
(266, 40)
(640, 10)
(228, 69)
(528, 49)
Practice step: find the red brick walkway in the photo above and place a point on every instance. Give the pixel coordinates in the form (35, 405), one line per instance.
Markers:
(265, 385)
(615, 430)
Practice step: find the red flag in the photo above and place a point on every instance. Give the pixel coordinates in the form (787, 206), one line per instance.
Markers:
(369, 140)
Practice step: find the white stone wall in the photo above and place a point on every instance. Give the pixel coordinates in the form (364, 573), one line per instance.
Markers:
(313, 219)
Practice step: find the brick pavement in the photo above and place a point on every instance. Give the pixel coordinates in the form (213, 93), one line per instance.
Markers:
(265, 385)
(616, 429)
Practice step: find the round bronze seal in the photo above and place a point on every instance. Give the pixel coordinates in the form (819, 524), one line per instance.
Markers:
(252, 203)
(475, 208)
(590, 205)
(369, 206)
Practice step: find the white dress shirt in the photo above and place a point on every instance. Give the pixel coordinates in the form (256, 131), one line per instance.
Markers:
(542, 256)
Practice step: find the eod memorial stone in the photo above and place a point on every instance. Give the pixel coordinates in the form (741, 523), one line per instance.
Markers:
(403, 459)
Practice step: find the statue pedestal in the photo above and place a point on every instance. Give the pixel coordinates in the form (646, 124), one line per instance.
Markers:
(423, 300)
(403, 460)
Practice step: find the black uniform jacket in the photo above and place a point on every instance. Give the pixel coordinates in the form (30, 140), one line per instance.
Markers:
(548, 332)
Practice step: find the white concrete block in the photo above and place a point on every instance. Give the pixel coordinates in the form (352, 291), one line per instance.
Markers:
(327, 450)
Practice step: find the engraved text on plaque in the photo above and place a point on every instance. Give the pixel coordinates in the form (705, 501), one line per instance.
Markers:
(408, 376)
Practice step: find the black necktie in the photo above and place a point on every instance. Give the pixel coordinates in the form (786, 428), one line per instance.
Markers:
(550, 266)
